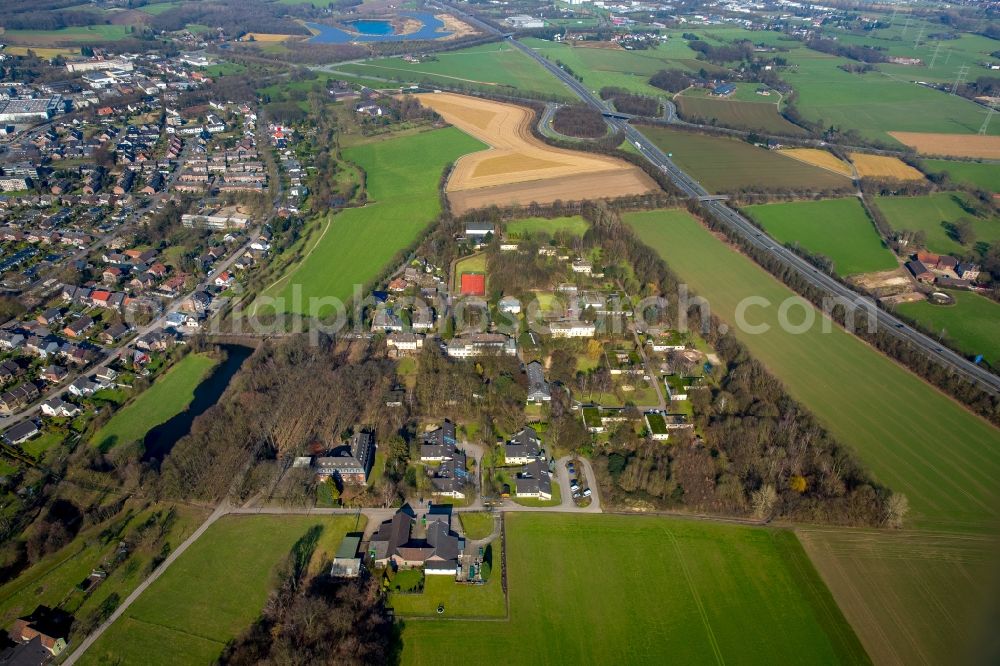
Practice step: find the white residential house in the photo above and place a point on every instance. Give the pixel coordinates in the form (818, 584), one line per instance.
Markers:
(572, 329)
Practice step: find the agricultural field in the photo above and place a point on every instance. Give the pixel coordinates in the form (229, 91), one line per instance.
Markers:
(820, 158)
(912, 597)
(358, 243)
(500, 68)
(726, 165)
(836, 228)
(949, 489)
(212, 593)
(712, 590)
(983, 176)
(951, 145)
(167, 397)
(65, 36)
(529, 226)
(934, 214)
(972, 324)
(754, 114)
(881, 166)
(520, 169)
(875, 104)
(615, 67)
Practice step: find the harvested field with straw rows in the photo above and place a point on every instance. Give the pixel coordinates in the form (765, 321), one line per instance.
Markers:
(520, 169)
(820, 158)
(951, 145)
(880, 166)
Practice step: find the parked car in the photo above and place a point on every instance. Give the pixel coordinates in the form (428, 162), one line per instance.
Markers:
(586, 492)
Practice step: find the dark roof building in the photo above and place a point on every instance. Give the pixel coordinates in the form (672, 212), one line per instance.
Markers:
(534, 480)
(523, 447)
(439, 552)
(919, 271)
(439, 444)
(538, 388)
(350, 463)
(451, 477)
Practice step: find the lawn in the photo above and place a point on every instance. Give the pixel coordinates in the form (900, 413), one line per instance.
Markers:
(498, 67)
(932, 214)
(971, 325)
(402, 180)
(869, 403)
(643, 589)
(477, 525)
(167, 397)
(977, 174)
(459, 600)
(530, 226)
(722, 164)
(836, 228)
(912, 597)
(210, 594)
(39, 445)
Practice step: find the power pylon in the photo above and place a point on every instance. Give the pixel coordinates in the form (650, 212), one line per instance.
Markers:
(986, 121)
(963, 71)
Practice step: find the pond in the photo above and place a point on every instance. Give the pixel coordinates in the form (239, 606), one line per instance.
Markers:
(366, 27)
(161, 439)
(371, 30)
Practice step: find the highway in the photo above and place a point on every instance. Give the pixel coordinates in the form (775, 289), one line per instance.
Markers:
(858, 305)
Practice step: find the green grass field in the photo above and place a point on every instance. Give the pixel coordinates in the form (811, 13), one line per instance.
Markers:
(912, 597)
(402, 201)
(73, 35)
(722, 164)
(211, 594)
(458, 600)
(984, 176)
(754, 115)
(607, 589)
(477, 525)
(837, 228)
(631, 70)
(530, 226)
(497, 67)
(868, 402)
(931, 214)
(167, 397)
(874, 103)
(971, 325)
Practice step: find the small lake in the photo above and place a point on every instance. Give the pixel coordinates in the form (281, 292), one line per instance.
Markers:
(366, 27)
(161, 439)
(372, 30)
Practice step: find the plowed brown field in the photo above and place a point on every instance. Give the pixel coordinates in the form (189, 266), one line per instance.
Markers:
(520, 169)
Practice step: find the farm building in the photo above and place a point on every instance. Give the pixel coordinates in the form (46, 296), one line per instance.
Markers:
(724, 89)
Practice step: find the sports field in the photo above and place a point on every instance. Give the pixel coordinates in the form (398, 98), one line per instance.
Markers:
(472, 264)
(211, 593)
(520, 169)
(756, 115)
(912, 597)
(167, 397)
(402, 200)
(933, 214)
(836, 228)
(500, 68)
(820, 158)
(983, 176)
(726, 165)
(897, 432)
(645, 589)
(530, 226)
(972, 324)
